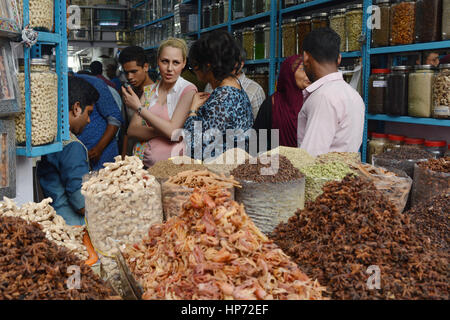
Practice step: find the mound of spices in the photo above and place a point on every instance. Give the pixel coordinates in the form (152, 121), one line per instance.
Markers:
(162, 170)
(350, 158)
(270, 172)
(352, 227)
(298, 157)
(402, 158)
(430, 178)
(431, 218)
(34, 268)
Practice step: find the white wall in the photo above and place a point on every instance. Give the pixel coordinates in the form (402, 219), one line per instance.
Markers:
(24, 180)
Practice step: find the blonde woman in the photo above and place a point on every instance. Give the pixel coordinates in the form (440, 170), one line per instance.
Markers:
(166, 105)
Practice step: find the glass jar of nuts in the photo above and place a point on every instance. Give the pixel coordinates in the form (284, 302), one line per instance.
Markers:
(289, 37)
(441, 93)
(44, 104)
(403, 20)
(353, 21)
(337, 23)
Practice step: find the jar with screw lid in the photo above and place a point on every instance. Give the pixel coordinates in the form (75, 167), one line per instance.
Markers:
(206, 16)
(397, 91)
(376, 145)
(238, 9)
(441, 93)
(420, 91)
(394, 141)
(260, 42)
(445, 19)
(377, 90)
(337, 23)
(289, 39)
(381, 32)
(353, 22)
(248, 42)
(249, 8)
(267, 42)
(414, 142)
(215, 14)
(403, 20)
(319, 20)
(437, 147)
(303, 28)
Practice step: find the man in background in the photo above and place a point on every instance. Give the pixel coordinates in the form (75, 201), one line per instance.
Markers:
(111, 73)
(96, 68)
(332, 118)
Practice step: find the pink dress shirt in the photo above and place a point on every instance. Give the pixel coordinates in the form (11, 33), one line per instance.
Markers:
(332, 117)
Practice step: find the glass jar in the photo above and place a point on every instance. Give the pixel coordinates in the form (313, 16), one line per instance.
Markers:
(319, 20)
(380, 36)
(437, 147)
(215, 14)
(428, 26)
(226, 7)
(221, 13)
(260, 6)
(268, 6)
(238, 36)
(441, 93)
(238, 9)
(337, 23)
(303, 28)
(445, 19)
(41, 14)
(353, 22)
(289, 3)
(447, 154)
(394, 141)
(249, 8)
(267, 42)
(260, 41)
(397, 91)
(376, 145)
(44, 104)
(378, 90)
(420, 91)
(289, 37)
(248, 42)
(414, 142)
(206, 16)
(403, 16)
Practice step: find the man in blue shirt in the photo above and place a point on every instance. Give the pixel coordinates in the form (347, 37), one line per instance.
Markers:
(60, 174)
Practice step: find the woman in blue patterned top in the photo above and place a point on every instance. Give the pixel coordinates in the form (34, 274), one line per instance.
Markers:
(218, 121)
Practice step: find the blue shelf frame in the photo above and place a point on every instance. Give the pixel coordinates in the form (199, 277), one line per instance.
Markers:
(59, 39)
(412, 120)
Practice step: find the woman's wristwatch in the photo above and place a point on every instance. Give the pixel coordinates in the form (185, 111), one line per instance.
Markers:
(139, 110)
(192, 113)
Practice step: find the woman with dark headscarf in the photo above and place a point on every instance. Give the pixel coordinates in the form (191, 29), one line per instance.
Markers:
(280, 111)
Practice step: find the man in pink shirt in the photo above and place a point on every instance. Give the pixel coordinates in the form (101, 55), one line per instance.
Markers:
(332, 117)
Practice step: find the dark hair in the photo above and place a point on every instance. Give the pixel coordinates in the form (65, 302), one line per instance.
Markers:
(219, 49)
(323, 44)
(96, 68)
(83, 92)
(133, 53)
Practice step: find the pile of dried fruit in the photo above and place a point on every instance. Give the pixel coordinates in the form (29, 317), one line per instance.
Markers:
(278, 169)
(351, 227)
(214, 251)
(54, 226)
(32, 267)
(438, 165)
(432, 219)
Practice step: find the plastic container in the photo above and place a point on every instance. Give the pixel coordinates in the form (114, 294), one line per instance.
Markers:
(427, 184)
(267, 42)
(260, 42)
(397, 91)
(289, 39)
(380, 36)
(249, 8)
(376, 145)
(445, 19)
(41, 14)
(248, 42)
(441, 93)
(420, 91)
(353, 22)
(127, 223)
(269, 204)
(319, 20)
(394, 141)
(238, 9)
(406, 165)
(337, 23)
(378, 90)
(403, 19)
(437, 147)
(303, 28)
(428, 21)
(414, 142)
(44, 104)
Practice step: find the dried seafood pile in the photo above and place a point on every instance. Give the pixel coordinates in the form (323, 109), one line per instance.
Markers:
(54, 226)
(32, 267)
(214, 251)
(351, 227)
